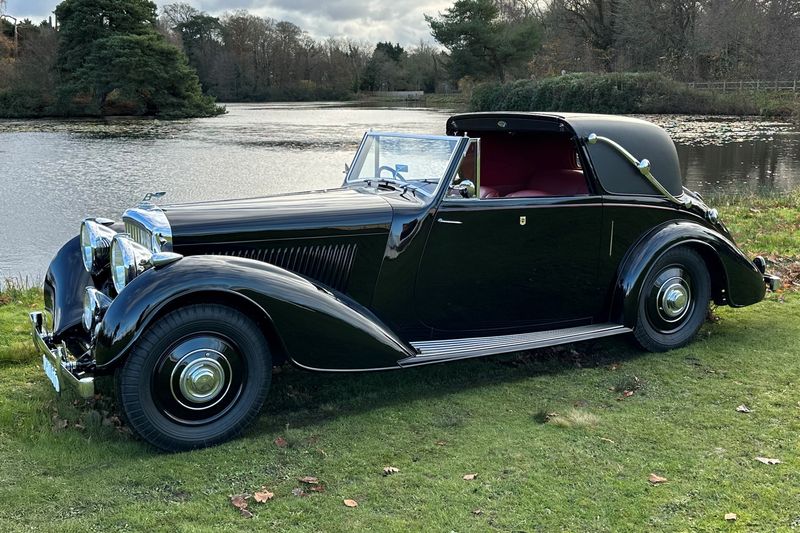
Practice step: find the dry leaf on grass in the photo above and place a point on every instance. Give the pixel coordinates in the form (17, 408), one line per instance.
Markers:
(477, 512)
(245, 513)
(280, 442)
(743, 409)
(263, 496)
(311, 480)
(605, 439)
(351, 503)
(470, 477)
(240, 501)
(441, 442)
(730, 517)
(317, 488)
(298, 492)
(656, 479)
(768, 461)
(389, 470)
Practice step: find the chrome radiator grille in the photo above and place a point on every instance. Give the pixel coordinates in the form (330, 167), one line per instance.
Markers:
(329, 264)
(139, 234)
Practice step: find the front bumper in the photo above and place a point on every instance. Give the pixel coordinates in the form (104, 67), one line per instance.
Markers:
(62, 369)
(773, 282)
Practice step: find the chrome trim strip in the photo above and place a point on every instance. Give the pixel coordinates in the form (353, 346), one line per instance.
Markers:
(643, 166)
(445, 221)
(611, 240)
(446, 350)
(348, 370)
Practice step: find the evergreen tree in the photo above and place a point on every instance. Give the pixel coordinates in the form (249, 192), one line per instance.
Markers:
(112, 46)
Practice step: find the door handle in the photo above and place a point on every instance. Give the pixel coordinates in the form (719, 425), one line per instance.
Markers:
(445, 221)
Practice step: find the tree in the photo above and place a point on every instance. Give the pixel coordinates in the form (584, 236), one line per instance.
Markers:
(109, 46)
(481, 43)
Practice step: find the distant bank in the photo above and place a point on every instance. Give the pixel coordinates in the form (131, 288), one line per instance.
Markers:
(628, 93)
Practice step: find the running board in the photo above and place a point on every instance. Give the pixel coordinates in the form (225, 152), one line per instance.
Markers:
(447, 350)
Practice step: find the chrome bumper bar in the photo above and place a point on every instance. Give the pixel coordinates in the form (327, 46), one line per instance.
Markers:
(773, 282)
(60, 361)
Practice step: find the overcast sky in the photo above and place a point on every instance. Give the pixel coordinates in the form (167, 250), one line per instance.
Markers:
(373, 20)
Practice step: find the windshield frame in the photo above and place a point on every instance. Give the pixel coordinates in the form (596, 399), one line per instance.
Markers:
(447, 177)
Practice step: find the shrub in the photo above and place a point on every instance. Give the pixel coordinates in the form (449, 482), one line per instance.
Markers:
(620, 93)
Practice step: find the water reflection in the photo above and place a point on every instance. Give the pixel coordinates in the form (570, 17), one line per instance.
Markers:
(53, 173)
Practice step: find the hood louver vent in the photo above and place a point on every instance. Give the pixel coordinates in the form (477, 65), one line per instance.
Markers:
(329, 264)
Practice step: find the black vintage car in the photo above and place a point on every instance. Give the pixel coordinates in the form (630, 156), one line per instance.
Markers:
(513, 231)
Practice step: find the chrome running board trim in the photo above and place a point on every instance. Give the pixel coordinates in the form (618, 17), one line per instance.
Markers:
(447, 350)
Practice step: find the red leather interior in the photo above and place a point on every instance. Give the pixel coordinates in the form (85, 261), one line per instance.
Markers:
(520, 166)
(489, 192)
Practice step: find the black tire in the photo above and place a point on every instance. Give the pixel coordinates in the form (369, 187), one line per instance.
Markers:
(673, 303)
(196, 377)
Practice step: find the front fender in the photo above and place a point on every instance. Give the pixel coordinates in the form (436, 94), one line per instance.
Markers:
(318, 328)
(64, 285)
(742, 282)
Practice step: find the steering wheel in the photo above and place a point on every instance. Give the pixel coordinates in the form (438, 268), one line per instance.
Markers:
(395, 174)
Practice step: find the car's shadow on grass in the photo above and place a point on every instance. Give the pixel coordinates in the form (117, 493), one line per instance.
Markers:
(301, 398)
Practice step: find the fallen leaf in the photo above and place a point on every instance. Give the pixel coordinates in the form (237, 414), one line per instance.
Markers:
(441, 442)
(298, 492)
(656, 479)
(743, 409)
(240, 501)
(768, 461)
(245, 513)
(311, 480)
(627, 393)
(351, 503)
(604, 439)
(280, 442)
(730, 517)
(470, 477)
(263, 496)
(317, 488)
(389, 470)
(477, 512)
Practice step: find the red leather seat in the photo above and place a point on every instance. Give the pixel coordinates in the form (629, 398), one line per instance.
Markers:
(527, 193)
(489, 192)
(563, 182)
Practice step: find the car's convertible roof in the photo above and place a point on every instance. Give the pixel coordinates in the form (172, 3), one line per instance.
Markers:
(643, 139)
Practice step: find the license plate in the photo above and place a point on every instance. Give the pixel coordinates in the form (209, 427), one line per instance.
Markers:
(51, 373)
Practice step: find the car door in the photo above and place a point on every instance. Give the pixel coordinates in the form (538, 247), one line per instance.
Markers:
(506, 264)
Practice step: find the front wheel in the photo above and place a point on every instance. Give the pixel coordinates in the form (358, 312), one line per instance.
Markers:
(673, 302)
(196, 377)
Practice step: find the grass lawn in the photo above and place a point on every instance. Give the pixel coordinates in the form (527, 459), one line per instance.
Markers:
(554, 438)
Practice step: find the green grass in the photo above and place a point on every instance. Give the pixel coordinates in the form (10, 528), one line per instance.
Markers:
(556, 441)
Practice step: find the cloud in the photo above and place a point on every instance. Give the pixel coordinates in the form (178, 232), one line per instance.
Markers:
(372, 20)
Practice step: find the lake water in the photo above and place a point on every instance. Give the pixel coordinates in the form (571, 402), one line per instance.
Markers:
(54, 173)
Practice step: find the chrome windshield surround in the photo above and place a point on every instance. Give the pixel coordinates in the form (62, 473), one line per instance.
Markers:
(643, 166)
(148, 225)
(352, 171)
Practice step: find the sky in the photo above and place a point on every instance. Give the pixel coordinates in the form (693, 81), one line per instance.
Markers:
(371, 20)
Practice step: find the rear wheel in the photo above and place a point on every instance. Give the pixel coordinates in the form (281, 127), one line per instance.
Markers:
(673, 302)
(196, 377)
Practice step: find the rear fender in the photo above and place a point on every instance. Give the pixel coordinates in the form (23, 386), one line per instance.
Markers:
(318, 328)
(735, 279)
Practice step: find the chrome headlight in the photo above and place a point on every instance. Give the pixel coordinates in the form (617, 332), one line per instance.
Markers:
(95, 304)
(128, 260)
(95, 245)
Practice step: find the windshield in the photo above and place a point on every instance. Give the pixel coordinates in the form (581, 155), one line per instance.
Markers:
(420, 161)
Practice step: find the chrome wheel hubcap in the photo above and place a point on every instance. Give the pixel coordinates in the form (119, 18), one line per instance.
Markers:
(201, 380)
(674, 297)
